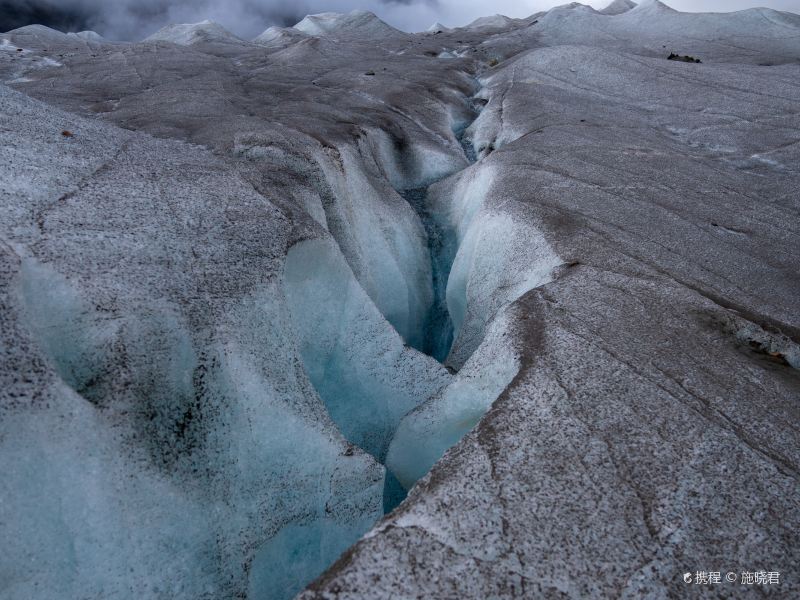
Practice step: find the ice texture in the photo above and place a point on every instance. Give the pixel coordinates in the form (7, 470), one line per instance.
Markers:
(219, 261)
(361, 368)
(427, 432)
(158, 432)
(494, 257)
(360, 24)
(187, 34)
(651, 359)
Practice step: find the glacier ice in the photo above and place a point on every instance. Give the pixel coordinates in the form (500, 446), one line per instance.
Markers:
(225, 380)
(357, 23)
(438, 325)
(298, 554)
(214, 418)
(187, 34)
(367, 377)
(427, 432)
(382, 240)
(493, 257)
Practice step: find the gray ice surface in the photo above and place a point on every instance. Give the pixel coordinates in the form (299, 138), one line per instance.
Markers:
(214, 290)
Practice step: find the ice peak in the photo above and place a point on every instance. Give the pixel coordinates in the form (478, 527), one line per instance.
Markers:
(38, 30)
(617, 7)
(571, 8)
(276, 35)
(359, 22)
(187, 34)
(492, 21)
(89, 36)
(653, 6)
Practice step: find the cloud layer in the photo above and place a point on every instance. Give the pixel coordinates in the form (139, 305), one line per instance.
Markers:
(136, 19)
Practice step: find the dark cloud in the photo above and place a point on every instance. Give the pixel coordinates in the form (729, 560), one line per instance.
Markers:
(14, 13)
(136, 19)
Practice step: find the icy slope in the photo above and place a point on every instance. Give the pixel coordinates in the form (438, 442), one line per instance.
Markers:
(277, 36)
(210, 340)
(494, 22)
(358, 24)
(756, 36)
(657, 363)
(346, 346)
(193, 33)
(617, 7)
(170, 333)
(149, 427)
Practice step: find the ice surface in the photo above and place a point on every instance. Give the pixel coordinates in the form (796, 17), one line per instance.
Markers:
(153, 441)
(480, 281)
(90, 36)
(498, 260)
(617, 7)
(39, 33)
(438, 27)
(187, 34)
(364, 373)
(200, 339)
(425, 434)
(437, 326)
(296, 555)
(493, 22)
(383, 241)
(363, 24)
(255, 439)
(276, 36)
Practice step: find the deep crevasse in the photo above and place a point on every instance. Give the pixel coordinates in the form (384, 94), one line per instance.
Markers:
(219, 405)
(389, 399)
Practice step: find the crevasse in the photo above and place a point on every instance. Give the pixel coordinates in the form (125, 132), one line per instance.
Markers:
(376, 360)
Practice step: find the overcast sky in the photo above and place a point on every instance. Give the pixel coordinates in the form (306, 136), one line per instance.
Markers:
(135, 19)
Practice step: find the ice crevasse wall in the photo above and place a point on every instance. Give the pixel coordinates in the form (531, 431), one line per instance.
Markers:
(388, 398)
(309, 382)
(359, 298)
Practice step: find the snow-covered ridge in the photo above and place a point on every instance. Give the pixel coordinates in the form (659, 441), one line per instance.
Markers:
(651, 28)
(187, 34)
(653, 7)
(277, 36)
(358, 23)
(495, 21)
(438, 28)
(89, 36)
(617, 7)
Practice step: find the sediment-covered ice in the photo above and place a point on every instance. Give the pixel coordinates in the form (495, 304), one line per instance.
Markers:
(358, 23)
(495, 255)
(213, 292)
(149, 429)
(276, 36)
(617, 7)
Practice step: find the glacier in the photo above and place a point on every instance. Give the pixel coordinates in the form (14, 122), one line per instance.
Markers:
(505, 310)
